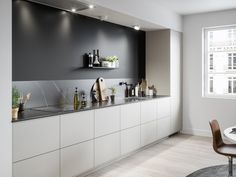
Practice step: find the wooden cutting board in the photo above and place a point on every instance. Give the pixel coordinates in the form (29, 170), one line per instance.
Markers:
(99, 88)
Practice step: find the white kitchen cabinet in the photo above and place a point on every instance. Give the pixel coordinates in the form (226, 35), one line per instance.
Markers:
(77, 159)
(130, 115)
(107, 120)
(163, 127)
(107, 148)
(46, 165)
(77, 127)
(35, 137)
(130, 140)
(176, 120)
(148, 133)
(163, 107)
(148, 111)
(163, 69)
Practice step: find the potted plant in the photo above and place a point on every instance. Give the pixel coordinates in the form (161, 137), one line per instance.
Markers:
(15, 102)
(113, 92)
(111, 61)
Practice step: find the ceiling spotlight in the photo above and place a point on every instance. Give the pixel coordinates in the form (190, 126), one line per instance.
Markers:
(91, 6)
(73, 10)
(136, 27)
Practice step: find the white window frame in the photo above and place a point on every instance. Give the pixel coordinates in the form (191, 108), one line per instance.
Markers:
(205, 64)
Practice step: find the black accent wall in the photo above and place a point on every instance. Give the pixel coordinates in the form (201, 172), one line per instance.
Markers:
(49, 44)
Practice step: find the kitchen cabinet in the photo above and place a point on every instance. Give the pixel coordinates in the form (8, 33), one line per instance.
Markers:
(130, 140)
(46, 165)
(77, 127)
(163, 127)
(148, 111)
(35, 137)
(163, 107)
(107, 148)
(107, 120)
(163, 69)
(148, 133)
(130, 115)
(77, 159)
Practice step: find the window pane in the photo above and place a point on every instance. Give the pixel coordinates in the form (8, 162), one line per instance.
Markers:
(220, 61)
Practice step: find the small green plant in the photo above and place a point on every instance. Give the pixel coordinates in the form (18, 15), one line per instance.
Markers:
(111, 58)
(15, 97)
(113, 90)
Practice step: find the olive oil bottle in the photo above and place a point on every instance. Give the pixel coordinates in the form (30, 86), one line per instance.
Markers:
(76, 99)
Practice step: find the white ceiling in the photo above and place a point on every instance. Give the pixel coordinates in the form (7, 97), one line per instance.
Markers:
(185, 7)
(155, 8)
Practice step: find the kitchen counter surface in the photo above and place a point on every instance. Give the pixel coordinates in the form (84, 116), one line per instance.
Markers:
(41, 112)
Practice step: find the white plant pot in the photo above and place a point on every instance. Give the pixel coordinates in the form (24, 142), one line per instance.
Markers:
(106, 64)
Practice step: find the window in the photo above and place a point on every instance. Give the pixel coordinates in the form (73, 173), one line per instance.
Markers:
(219, 62)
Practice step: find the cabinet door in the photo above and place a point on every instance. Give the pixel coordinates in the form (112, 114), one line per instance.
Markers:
(163, 127)
(130, 115)
(148, 133)
(107, 120)
(46, 165)
(35, 137)
(107, 148)
(148, 111)
(163, 107)
(130, 140)
(176, 120)
(77, 127)
(77, 159)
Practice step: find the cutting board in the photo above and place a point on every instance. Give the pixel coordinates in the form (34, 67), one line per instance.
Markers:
(99, 88)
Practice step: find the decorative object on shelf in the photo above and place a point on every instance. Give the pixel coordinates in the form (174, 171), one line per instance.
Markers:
(96, 58)
(99, 91)
(15, 102)
(113, 93)
(90, 58)
(111, 61)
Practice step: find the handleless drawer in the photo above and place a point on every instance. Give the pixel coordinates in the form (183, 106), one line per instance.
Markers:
(77, 127)
(35, 137)
(107, 121)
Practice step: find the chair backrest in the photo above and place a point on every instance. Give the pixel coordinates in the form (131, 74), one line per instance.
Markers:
(217, 139)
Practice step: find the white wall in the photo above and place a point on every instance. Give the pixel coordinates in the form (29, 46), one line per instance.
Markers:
(149, 11)
(197, 111)
(5, 89)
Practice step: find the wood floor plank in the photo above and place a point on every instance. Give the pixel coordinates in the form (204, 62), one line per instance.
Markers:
(176, 156)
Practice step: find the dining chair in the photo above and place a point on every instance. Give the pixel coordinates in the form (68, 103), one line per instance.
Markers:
(221, 147)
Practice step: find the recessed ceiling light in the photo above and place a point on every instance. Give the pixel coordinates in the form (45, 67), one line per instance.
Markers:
(136, 27)
(73, 10)
(91, 6)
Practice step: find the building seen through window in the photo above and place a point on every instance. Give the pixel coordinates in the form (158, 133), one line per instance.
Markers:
(220, 61)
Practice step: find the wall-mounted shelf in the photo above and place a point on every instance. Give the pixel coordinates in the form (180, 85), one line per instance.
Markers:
(100, 67)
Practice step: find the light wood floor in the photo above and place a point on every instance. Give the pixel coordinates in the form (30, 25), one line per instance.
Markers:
(177, 156)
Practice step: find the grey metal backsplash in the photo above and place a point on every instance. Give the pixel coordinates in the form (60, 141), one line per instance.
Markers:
(47, 93)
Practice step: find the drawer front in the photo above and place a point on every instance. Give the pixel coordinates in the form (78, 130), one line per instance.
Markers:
(107, 148)
(163, 127)
(130, 140)
(107, 120)
(77, 127)
(163, 107)
(46, 165)
(148, 111)
(77, 159)
(148, 133)
(130, 115)
(35, 137)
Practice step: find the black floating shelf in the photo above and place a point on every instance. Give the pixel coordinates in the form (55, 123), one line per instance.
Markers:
(100, 67)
